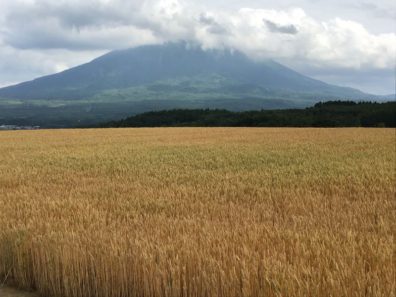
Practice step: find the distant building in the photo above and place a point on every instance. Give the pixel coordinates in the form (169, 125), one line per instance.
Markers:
(15, 127)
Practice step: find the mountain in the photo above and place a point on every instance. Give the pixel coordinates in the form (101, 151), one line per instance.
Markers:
(150, 64)
(173, 75)
(391, 97)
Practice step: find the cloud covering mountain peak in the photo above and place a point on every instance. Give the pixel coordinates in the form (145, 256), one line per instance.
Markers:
(289, 34)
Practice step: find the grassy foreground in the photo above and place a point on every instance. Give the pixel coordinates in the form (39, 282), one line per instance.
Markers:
(199, 212)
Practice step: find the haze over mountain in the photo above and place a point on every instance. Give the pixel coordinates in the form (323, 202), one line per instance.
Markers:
(173, 75)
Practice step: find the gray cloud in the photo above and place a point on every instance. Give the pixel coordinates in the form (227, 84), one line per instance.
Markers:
(212, 26)
(88, 25)
(48, 35)
(379, 10)
(74, 14)
(284, 29)
(374, 81)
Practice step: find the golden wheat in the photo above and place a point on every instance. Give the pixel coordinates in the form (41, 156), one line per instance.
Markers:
(199, 212)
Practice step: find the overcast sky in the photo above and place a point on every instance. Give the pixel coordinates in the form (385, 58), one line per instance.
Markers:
(345, 42)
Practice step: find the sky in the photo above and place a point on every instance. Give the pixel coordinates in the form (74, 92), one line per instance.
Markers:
(344, 42)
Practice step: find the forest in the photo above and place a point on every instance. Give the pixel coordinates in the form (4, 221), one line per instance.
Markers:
(323, 114)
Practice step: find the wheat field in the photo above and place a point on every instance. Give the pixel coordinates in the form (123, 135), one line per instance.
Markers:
(199, 212)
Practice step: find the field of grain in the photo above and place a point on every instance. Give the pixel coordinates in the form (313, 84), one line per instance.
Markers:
(199, 212)
(8, 292)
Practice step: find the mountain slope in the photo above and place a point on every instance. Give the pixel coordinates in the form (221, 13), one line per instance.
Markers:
(121, 71)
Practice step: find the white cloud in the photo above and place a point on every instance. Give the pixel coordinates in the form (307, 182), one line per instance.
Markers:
(93, 26)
